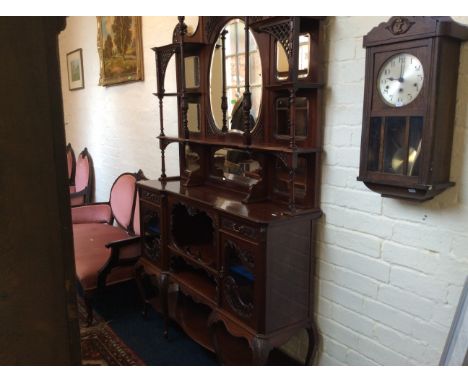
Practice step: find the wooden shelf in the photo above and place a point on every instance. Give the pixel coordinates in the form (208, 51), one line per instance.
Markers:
(298, 85)
(201, 288)
(195, 262)
(269, 148)
(166, 94)
(192, 317)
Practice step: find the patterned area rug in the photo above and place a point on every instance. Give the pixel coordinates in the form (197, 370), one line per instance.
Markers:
(100, 346)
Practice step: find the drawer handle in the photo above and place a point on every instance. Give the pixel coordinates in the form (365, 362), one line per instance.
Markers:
(237, 228)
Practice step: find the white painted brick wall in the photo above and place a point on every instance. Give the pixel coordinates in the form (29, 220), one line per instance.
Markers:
(389, 272)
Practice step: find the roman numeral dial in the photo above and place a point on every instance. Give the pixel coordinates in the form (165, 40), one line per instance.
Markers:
(400, 79)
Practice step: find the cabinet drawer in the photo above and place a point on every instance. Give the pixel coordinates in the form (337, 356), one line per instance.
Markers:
(242, 229)
(150, 196)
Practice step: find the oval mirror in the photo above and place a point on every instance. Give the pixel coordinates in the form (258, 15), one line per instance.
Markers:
(227, 77)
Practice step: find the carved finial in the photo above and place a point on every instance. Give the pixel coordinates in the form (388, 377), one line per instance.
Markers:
(182, 25)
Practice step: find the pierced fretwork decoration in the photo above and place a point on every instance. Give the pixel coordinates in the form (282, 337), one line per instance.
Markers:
(163, 56)
(283, 33)
(232, 293)
(243, 255)
(152, 240)
(211, 22)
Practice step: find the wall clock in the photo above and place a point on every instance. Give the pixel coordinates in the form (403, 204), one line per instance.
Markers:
(409, 105)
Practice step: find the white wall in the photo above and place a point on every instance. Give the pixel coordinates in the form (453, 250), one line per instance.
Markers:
(389, 273)
(118, 124)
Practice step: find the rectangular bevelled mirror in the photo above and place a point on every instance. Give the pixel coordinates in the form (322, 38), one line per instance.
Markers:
(282, 116)
(192, 72)
(282, 63)
(236, 165)
(192, 159)
(193, 117)
(282, 181)
(304, 55)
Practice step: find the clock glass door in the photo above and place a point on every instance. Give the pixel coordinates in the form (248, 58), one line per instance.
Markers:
(395, 145)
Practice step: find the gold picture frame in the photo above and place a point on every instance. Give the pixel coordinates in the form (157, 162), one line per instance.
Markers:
(120, 49)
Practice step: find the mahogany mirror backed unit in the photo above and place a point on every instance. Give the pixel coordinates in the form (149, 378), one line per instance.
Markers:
(228, 246)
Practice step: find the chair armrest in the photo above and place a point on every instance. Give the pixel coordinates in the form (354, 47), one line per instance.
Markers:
(78, 193)
(124, 253)
(92, 213)
(77, 198)
(124, 242)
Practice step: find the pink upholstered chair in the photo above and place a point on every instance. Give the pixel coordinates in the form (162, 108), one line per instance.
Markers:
(81, 190)
(105, 252)
(71, 163)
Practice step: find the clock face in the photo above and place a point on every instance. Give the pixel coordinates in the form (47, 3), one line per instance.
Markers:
(400, 79)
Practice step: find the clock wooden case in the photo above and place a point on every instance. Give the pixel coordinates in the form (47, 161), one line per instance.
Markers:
(409, 106)
(228, 246)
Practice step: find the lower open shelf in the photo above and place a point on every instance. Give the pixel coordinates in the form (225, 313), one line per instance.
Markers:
(193, 318)
(197, 284)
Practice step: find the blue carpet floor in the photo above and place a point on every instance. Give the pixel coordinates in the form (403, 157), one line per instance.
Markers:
(120, 305)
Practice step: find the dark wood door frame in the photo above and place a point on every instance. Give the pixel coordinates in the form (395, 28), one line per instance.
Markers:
(38, 312)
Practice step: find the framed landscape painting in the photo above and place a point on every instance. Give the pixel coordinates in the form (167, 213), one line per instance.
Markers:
(120, 49)
(75, 70)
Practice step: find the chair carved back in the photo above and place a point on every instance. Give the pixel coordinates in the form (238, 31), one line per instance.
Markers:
(124, 203)
(84, 174)
(71, 164)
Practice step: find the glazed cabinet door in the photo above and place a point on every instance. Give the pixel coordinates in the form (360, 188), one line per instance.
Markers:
(150, 216)
(242, 284)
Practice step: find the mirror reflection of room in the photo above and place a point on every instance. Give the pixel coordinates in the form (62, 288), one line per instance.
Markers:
(227, 77)
(236, 165)
(282, 63)
(282, 117)
(192, 159)
(193, 117)
(192, 72)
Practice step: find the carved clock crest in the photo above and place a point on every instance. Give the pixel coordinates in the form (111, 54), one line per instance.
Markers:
(400, 25)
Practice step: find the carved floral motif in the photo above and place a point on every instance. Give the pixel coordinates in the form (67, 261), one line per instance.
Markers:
(400, 25)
